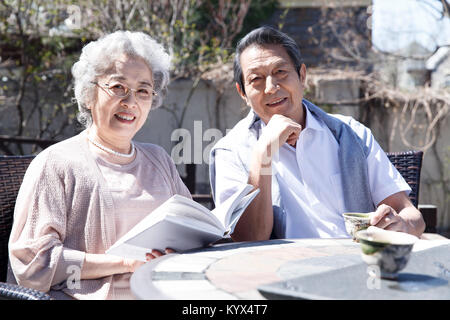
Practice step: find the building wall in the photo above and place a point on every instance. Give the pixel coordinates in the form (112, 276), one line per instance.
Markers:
(436, 162)
(388, 130)
(440, 78)
(206, 120)
(304, 21)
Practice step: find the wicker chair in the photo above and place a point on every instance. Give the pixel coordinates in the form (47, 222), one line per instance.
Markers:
(409, 164)
(9, 291)
(12, 170)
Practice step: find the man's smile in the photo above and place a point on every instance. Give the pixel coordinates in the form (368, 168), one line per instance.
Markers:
(276, 103)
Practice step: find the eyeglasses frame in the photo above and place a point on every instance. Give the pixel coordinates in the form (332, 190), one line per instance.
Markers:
(108, 90)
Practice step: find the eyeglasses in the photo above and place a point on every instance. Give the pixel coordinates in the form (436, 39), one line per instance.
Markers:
(121, 91)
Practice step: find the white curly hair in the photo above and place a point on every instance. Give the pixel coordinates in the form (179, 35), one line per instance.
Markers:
(98, 56)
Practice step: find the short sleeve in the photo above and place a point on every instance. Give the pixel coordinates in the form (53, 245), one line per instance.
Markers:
(229, 175)
(384, 178)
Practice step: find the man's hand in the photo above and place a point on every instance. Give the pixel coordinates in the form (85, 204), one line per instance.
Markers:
(279, 129)
(397, 213)
(385, 217)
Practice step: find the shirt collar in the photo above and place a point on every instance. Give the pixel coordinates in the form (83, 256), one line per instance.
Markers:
(252, 118)
(311, 121)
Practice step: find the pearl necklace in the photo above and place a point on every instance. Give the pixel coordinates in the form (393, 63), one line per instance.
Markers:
(119, 154)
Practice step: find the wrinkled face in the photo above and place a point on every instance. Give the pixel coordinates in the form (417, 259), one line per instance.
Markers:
(114, 117)
(272, 85)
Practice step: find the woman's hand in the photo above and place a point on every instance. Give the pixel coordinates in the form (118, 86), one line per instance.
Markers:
(101, 265)
(132, 265)
(156, 253)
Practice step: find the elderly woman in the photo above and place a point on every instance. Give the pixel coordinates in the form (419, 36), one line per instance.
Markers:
(81, 195)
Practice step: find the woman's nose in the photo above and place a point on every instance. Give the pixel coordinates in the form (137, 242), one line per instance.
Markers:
(130, 100)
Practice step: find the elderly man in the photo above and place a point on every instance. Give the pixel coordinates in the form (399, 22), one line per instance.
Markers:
(310, 166)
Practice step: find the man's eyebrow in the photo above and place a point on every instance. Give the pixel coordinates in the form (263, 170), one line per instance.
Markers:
(277, 64)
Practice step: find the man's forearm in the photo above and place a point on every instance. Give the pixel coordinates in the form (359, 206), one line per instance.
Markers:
(256, 223)
(397, 213)
(414, 220)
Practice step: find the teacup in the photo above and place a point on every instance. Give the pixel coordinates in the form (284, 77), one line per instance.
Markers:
(355, 221)
(389, 250)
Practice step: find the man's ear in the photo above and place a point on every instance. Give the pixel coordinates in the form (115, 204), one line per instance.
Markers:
(241, 93)
(239, 90)
(302, 74)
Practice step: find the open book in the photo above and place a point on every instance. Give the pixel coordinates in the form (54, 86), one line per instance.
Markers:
(182, 224)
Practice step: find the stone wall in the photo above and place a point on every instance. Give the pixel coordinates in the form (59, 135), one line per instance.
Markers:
(388, 129)
(440, 78)
(207, 118)
(436, 162)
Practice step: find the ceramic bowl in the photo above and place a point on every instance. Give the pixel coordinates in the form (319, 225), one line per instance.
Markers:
(355, 221)
(388, 250)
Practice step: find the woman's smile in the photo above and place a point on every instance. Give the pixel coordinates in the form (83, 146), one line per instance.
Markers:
(125, 117)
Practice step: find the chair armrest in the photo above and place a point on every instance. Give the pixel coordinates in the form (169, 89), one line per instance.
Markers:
(429, 214)
(432, 236)
(9, 291)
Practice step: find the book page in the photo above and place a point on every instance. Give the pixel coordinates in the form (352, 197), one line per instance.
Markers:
(226, 209)
(179, 223)
(188, 208)
(239, 210)
(177, 205)
(167, 233)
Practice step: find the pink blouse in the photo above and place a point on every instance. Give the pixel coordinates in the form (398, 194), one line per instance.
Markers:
(73, 202)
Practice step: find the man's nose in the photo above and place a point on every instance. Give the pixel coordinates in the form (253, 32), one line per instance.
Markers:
(271, 85)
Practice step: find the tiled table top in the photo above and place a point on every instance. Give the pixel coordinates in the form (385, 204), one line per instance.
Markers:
(235, 270)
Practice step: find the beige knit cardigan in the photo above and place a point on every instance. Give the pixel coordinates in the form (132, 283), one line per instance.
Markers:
(64, 210)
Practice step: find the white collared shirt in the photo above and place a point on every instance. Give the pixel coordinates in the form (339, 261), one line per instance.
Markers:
(309, 178)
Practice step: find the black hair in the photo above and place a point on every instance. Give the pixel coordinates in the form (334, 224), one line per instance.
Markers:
(263, 36)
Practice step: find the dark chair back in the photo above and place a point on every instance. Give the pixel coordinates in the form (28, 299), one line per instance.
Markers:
(409, 164)
(12, 170)
(9, 291)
